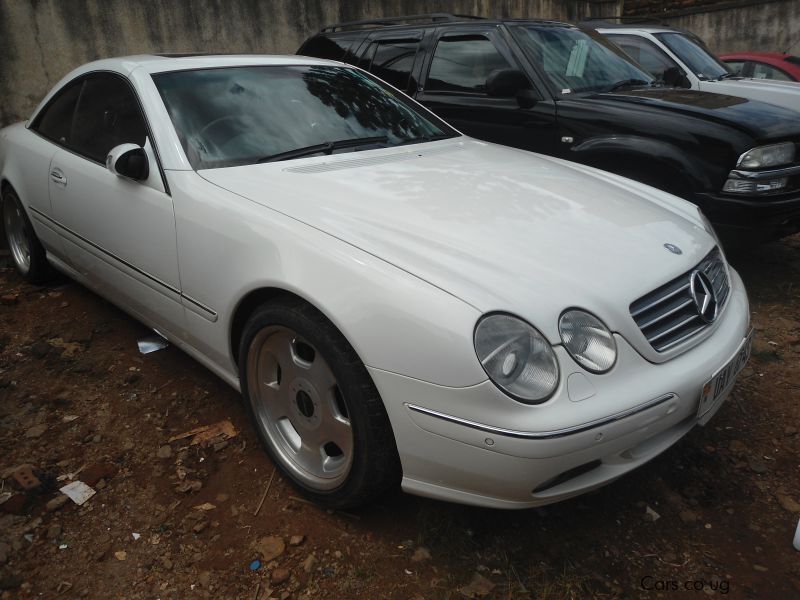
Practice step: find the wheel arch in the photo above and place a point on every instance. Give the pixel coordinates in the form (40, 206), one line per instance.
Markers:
(245, 308)
(657, 162)
(5, 184)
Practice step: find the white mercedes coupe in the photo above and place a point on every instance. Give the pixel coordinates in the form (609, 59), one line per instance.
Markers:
(396, 302)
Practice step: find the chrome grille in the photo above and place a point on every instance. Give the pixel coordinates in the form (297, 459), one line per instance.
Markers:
(668, 315)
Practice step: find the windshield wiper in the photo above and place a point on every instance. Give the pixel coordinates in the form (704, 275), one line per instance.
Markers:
(627, 82)
(323, 148)
(726, 75)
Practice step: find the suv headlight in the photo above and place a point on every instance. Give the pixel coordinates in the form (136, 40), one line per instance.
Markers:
(767, 156)
(588, 340)
(516, 357)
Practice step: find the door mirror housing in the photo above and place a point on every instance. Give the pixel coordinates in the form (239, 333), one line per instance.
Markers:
(130, 161)
(527, 98)
(506, 83)
(676, 77)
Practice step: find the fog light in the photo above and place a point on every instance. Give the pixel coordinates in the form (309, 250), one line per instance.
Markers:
(751, 186)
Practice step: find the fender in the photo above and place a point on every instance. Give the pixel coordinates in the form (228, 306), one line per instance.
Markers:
(649, 151)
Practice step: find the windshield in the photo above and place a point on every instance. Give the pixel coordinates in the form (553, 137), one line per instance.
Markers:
(243, 115)
(696, 56)
(575, 60)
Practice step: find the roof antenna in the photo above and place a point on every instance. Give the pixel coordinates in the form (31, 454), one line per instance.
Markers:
(791, 46)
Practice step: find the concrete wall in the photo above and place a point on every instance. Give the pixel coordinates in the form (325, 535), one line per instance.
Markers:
(42, 40)
(737, 25)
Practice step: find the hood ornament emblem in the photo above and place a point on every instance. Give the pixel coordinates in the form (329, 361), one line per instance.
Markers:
(673, 248)
(704, 296)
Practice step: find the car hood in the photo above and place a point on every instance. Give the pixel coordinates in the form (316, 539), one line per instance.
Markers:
(501, 229)
(780, 93)
(761, 120)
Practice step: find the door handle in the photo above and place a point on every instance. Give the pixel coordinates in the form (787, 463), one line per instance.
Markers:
(57, 175)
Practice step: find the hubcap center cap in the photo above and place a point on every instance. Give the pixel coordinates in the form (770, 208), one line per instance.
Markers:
(305, 404)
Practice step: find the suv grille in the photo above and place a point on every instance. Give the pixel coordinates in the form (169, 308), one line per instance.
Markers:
(680, 309)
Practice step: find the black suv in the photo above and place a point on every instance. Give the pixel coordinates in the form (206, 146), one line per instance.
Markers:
(554, 88)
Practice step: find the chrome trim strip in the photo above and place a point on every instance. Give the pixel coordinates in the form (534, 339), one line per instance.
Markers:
(771, 174)
(109, 254)
(655, 320)
(152, 278)
(659, 300)
(199, 305)
(685, 337)
(686, 321)
(541, 435)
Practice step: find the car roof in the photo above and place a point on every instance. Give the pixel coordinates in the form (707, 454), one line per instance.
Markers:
(160, 63)
(603, 27)
(400, 23)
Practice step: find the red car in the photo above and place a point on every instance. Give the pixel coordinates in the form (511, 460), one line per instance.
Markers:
(764, 65)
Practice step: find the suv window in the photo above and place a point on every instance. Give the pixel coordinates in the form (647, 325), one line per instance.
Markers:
(107, 115)
(646, 53)
(462, 64)
(331, 48)
(391, 60)
(55, 120)
(693, 52)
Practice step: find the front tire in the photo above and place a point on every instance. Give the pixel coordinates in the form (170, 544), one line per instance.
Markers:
(30, 258)
(315, 407)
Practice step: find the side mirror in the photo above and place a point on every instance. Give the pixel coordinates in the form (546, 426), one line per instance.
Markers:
(676, 77)
(527, 98)
(128, 160)
(506, 83)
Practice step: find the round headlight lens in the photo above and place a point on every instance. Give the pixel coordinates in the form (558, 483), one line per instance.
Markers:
(767, 156)
(516, 357)
(588, 340)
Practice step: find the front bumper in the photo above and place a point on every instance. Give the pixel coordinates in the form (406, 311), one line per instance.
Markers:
(760, 218)
(521, 456)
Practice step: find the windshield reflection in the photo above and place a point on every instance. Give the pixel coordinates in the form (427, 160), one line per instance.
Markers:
(240, 115)
(696, 56)
(576, 60)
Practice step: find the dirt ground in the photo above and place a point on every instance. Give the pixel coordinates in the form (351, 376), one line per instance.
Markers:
(714, 515)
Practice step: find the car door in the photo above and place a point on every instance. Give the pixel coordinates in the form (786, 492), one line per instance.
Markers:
(391, 56)
(454, 88)
(119, 234)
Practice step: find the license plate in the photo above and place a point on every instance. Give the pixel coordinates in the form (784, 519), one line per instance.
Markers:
(715, 388)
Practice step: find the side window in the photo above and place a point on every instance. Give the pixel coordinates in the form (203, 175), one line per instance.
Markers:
(336, 48)
(55, 120)
(645, 53)
(762, 71)
(107, 115)
(736, 66)
(462, 64)
(392, 61)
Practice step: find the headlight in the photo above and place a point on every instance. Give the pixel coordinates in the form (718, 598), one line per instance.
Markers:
(767, 156)
(587, 340)
(516, 357)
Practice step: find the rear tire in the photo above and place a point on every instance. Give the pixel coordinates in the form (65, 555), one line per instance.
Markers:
(27, 252)
(315, 407)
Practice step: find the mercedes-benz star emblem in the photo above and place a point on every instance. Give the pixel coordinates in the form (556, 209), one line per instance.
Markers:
(705, 299)
(673, 248)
